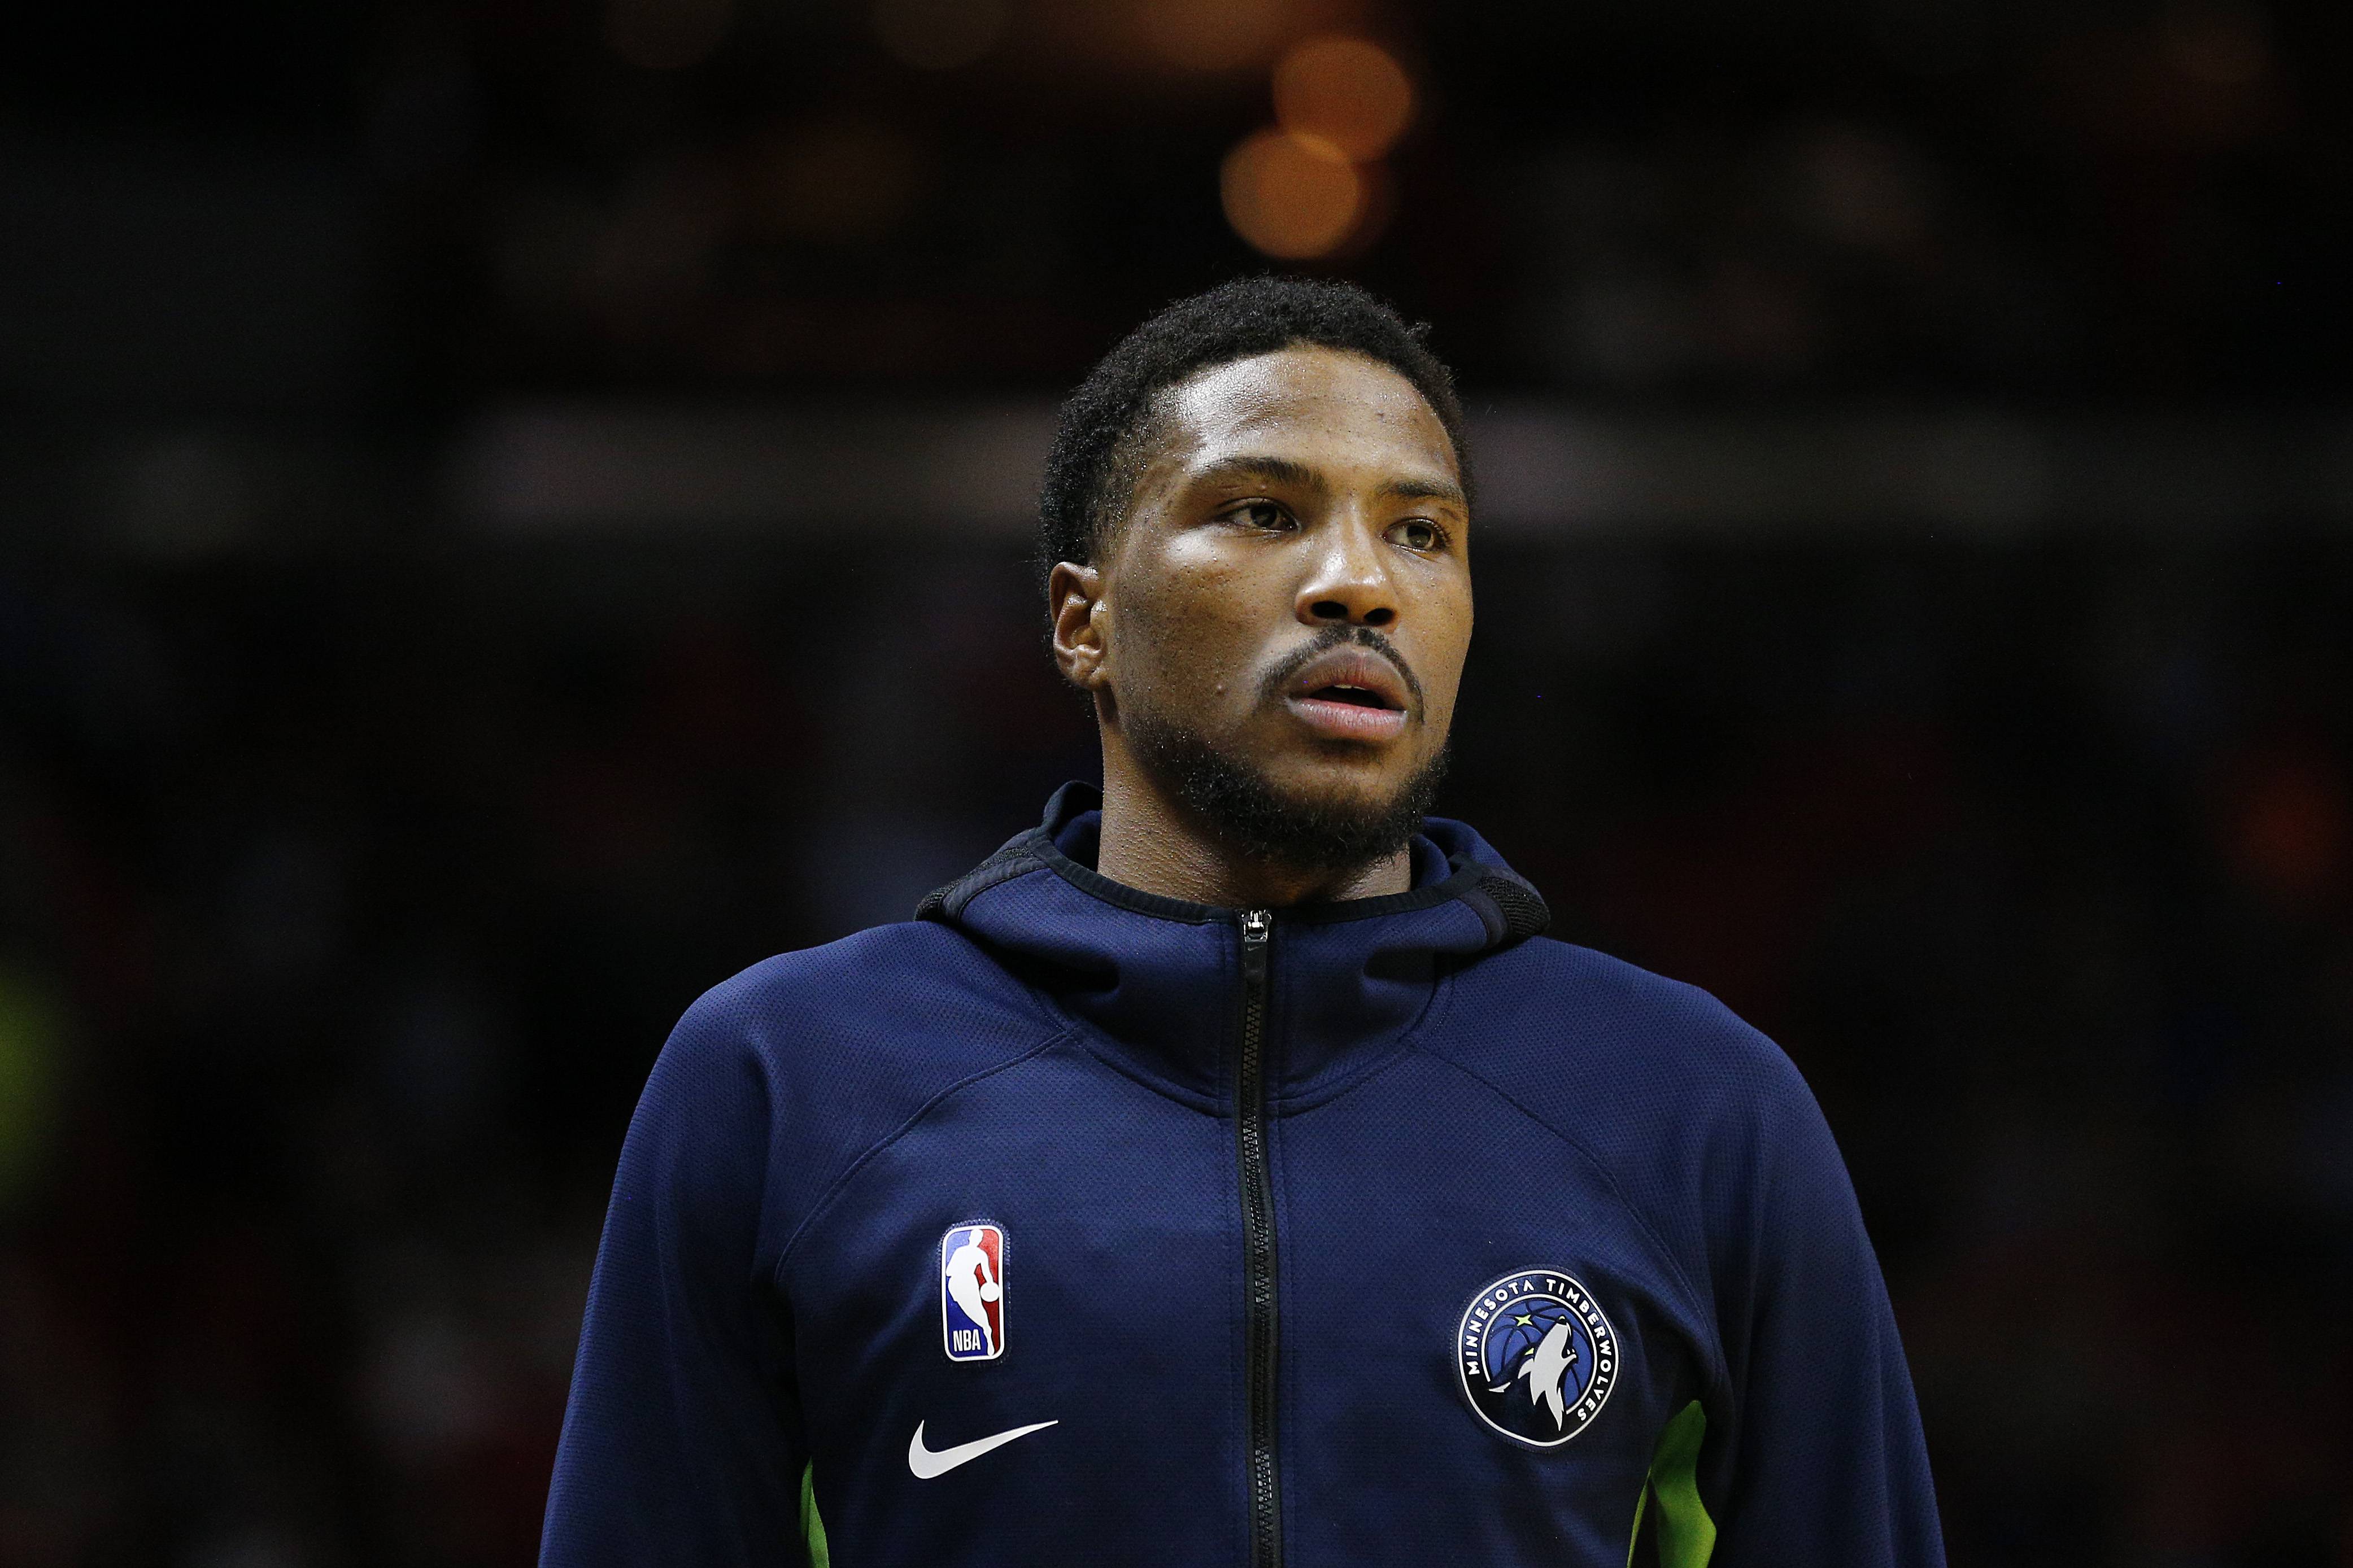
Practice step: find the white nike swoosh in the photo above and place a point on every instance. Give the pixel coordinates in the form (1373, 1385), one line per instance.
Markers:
(927, 1464)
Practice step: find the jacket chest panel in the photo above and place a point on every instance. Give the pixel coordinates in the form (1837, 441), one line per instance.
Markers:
(1463, 1297)
(1115, 1308)
(1107, 1218)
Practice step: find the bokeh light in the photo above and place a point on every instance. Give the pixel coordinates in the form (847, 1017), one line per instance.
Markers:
(939, 35)
(1292, 197)
(1350, 92)
(666, 35)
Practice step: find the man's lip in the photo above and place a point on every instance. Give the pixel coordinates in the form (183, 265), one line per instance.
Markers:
(1348, 720)
(1364, 669)
(1357, 667)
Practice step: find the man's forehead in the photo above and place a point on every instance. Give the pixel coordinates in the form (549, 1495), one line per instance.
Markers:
(1305, 395)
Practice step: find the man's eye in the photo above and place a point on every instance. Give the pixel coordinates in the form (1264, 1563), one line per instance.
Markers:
(1259, 514)
(1415, 533)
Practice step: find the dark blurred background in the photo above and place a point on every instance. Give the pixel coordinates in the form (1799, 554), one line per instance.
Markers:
(514, 509)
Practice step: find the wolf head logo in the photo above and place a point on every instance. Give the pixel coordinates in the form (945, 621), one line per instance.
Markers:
(1545, 1369)
(1536, 1355)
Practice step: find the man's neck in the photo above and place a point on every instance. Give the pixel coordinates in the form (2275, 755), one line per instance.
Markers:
(1156, 845)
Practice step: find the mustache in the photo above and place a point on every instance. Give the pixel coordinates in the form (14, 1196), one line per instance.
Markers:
(1324, 642)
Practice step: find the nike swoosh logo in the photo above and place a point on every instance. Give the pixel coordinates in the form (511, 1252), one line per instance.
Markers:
(927, 1464)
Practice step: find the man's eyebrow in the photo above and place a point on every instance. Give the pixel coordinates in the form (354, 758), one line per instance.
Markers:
(1284, 471)
(1277, 470)
(1425, 490)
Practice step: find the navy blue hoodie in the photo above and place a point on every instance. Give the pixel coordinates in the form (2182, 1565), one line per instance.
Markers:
(1067, 1223)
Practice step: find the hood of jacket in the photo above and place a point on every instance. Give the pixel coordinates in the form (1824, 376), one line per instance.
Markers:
(1156, 982)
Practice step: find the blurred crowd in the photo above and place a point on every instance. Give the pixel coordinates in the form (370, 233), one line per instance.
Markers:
(352, 868)
(346, 906)
(406, 207)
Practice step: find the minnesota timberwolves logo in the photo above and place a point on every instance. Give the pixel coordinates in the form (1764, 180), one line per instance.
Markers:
(1537, 1356)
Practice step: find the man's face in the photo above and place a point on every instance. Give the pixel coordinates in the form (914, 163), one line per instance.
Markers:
(1292, 590)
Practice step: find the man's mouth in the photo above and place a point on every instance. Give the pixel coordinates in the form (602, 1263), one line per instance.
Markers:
(1355, 696)
(1350, 693)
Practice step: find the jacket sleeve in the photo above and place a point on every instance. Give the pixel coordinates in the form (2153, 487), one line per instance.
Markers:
(1825, 1462)
(682, 1441)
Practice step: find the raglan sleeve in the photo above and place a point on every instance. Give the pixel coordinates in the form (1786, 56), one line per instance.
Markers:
(1826, 1462)
(682, 1440)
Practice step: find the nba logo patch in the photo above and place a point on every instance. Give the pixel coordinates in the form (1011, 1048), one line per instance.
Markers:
(972, 1292)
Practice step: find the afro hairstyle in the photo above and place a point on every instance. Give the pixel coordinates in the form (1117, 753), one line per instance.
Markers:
(1100, 445)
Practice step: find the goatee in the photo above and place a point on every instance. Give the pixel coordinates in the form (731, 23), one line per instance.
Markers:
(1245, 809)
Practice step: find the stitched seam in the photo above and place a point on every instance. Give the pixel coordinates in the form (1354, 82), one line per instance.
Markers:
(1409, 1039)
(1285, 1109)
(1051, 1013)
(1092, 1041)
(1100, 1043)
(1096, 1042)
(833, 1189)
(1693, 1300)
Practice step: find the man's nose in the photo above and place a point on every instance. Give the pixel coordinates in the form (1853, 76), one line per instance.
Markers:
(1349, 583)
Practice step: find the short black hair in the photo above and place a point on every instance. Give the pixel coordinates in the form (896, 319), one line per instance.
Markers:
(1091, 469)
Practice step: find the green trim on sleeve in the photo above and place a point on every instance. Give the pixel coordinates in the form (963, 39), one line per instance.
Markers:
(812, 1527)
(1682, 1533)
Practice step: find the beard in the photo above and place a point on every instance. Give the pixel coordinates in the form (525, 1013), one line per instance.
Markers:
(1244, 806)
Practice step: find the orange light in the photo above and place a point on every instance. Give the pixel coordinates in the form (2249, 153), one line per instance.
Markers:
(1349, 91)
(1292, 197)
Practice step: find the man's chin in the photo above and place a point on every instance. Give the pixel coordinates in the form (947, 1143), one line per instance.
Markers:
(1331, 820)
(1349, 793)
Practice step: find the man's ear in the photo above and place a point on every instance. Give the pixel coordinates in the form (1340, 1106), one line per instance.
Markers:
(1075, 594)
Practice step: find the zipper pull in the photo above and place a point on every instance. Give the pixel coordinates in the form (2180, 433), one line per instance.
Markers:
(1258, 928)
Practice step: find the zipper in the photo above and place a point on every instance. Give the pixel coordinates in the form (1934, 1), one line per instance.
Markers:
(1258, 1241)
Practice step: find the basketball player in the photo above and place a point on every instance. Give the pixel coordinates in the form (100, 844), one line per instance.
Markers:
(1348, 1220)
